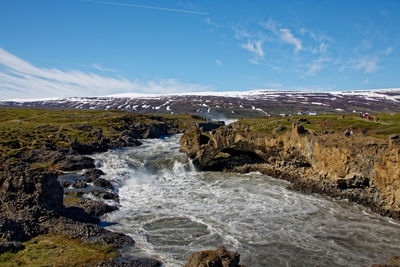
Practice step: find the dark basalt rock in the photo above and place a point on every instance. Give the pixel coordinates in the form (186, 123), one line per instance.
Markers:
(80, 215)
(300, 129)
(209, 126)
(105, 195)
(87, 231)
(27, 197)
(304, 120)
(92, 207)
(279, 128)
(355, 182)
(216, 258)
(394, 136)
(130, 262)
(92, 174)
(73, 163)
(103, 183)
(66, 184)
(10, 246)
(18, 230)
(80, 184)
(83, 149)
(24, 190)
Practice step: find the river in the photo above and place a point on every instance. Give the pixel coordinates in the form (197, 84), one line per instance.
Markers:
(172, 210)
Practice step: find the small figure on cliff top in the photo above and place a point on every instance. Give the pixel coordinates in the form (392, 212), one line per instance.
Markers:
(19, 122)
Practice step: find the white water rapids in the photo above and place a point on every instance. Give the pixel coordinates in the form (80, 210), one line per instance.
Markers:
(172, 210)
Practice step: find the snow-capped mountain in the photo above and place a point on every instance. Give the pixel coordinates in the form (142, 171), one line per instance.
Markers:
(230, 104)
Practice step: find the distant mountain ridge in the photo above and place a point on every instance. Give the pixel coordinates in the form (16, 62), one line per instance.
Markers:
(234, 104)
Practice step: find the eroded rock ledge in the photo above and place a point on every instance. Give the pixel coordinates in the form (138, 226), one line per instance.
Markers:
(31, 197)
(362, 169)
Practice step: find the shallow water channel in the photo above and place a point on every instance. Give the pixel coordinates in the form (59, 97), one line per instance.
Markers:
(171, 210)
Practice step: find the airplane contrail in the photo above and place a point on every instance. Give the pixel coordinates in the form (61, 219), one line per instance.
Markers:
(148, 7)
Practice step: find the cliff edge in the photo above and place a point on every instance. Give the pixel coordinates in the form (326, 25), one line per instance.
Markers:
(339, 156)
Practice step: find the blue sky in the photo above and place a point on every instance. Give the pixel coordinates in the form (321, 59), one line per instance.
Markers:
(90, 47)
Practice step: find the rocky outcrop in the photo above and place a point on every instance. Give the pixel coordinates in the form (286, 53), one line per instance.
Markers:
(216, 258)
(393, 262)
(74, 163)
(365, 170)
(31, 203)
(131, 262)
(10, 246)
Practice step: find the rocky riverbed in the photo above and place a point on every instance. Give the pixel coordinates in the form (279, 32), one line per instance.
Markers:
(33, 201)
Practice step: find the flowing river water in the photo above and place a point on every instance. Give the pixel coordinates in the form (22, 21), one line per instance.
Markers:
(172, 210)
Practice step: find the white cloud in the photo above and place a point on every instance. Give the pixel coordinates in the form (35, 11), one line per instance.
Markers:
(284, 34)
(317, 65)
(287, 36)
(218, 62)
(241, 34)
(315, 36)
(367, 64)
(255, 47)
(388, 51)
(99, 67)
(20, 79)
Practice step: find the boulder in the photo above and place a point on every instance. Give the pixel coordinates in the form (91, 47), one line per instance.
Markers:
(87, 231)
(216, 258)
(73, 163)
(130, 261)
(209, 126)
(80, 184)
(279, 128)
(95, 146)
(304, 120)
(66, 184)
(300, 129)
(103, 183)
(10, 246)
(92, 207)
(92, 174)
(24, 190)
(394, 136)
(105, 195)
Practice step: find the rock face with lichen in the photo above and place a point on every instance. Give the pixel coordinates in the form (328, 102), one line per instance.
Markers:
(220, 257)
(27, 196)
(363, 170)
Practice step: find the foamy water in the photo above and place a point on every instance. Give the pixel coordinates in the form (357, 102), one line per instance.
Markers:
(171, 210)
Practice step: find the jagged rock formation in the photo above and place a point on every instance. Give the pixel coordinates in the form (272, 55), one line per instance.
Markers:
(366, 170)
(220, 257)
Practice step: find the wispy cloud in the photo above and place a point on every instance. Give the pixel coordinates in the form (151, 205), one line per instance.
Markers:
(147, 7)
(287, 36)
(218, 62)
(315, 36)
(317, 65)
(388, 51)
(20, 79)
(98, 66)
(367, 64)
(255, 47)
(284, 34)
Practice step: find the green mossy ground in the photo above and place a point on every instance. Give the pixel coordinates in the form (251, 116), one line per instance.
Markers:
(24, 129)
(388, 124)
(58, 250)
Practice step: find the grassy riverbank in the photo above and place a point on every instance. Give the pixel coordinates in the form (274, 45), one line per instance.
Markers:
(332, 123)
(24, 129)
